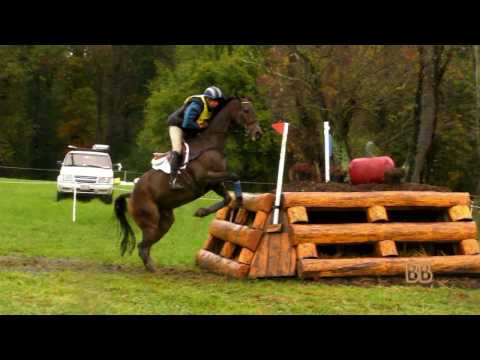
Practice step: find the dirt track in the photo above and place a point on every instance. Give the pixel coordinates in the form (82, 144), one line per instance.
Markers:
(40, 264)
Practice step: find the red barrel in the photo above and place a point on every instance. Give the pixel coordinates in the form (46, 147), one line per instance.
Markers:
(369, 170)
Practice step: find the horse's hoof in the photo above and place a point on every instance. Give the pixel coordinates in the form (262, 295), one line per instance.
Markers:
(239, 202)
(151, 269)
(201, 213)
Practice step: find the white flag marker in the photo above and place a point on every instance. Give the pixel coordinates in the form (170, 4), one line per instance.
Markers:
(281, 169)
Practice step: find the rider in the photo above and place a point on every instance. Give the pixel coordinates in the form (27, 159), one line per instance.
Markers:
(193, 117)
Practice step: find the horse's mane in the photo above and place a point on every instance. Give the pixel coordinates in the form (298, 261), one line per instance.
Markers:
(223, 105)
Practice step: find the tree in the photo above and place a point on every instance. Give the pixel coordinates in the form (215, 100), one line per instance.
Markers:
(418, 104)
(351, 87)
(16, 130)
(191, 75)
(433, 64)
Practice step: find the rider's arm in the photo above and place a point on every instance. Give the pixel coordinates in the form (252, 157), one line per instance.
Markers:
(191, 115)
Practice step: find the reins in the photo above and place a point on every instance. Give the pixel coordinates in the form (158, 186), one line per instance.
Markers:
(248, 124)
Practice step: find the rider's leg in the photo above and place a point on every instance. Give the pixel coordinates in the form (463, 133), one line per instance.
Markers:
(176, 137)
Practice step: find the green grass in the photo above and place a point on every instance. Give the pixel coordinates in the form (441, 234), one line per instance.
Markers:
(38, 234)
(33, 223)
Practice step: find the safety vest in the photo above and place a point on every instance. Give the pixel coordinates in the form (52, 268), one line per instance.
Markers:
(206, 114)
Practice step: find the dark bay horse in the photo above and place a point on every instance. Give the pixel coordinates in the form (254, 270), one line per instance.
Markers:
(152, 202)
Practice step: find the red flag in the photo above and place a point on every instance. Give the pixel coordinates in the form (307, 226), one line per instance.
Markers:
(278, 127)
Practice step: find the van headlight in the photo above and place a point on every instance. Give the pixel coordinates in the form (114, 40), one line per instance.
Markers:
(68, 178)
(105, 180)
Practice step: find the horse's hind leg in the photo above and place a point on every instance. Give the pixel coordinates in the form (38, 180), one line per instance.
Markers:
(152, 234)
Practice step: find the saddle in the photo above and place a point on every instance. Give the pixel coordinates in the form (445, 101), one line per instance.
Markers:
(162, 161)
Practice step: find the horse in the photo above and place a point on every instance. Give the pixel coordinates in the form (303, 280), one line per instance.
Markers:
(152, 201)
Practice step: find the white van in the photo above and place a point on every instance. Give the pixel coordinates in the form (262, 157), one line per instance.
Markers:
(89, 170)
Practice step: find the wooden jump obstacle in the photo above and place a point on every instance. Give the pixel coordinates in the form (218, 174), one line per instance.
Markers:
(343, 235)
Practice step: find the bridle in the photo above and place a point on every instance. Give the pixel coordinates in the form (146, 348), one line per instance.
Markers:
(220, 149)
(248, 124)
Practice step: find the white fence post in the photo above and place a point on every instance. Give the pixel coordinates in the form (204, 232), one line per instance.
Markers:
(326, 134)
(281, 168)
(74, 210)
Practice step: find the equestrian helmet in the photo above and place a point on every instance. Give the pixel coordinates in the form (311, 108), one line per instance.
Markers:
(213, 93)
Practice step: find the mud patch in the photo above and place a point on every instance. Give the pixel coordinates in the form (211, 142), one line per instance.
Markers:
(41, 264)
(312, 186)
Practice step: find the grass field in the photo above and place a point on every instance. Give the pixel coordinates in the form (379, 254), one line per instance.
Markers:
(48, 265)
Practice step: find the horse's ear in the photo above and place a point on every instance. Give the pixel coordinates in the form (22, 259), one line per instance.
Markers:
(237, 95)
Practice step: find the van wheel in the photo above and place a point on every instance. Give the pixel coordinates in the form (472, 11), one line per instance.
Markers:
(107, 199)
(60, 196)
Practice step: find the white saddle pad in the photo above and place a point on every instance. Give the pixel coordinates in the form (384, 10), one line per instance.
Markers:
(163, 164)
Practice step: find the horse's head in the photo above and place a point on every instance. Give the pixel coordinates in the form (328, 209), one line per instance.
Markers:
(246, 117)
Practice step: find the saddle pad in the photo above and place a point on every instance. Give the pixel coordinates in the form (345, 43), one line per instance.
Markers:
(163, 164)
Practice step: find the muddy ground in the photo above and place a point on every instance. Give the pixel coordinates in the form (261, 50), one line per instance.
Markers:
(40, 264)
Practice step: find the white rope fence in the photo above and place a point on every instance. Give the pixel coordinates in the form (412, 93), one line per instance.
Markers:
(202, 198)
(474, 206)
(35, 182)
(124, 172)
(24, 168)
(39, 182)
(29, 182)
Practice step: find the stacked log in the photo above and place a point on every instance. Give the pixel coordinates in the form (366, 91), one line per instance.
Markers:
(242, 244)
(232, 243)
(386, 267)
(456, 227)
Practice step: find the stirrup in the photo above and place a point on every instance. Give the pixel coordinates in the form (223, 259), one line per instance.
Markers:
(174, 185)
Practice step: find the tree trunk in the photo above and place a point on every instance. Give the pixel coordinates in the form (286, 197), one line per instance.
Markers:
(427, 110)
(99, 127)
(410, 159)
(348, 148)
(476, 55)
(36, 96)
(311, 145)
(112, 119)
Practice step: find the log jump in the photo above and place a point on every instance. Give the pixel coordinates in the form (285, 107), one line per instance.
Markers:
(342, 235)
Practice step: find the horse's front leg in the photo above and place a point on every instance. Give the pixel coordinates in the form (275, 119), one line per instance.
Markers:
(221, 190)
(221, 176)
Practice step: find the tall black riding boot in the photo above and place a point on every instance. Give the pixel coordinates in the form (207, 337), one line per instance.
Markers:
(176, 159)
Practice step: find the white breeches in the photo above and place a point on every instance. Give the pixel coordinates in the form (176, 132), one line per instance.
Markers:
(176, 137)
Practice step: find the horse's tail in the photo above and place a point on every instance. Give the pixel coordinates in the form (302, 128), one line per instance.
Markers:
(128, 236)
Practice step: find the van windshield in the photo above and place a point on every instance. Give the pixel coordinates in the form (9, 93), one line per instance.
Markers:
(88, 160)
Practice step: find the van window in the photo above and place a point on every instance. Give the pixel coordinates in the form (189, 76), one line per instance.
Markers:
(88, 160)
